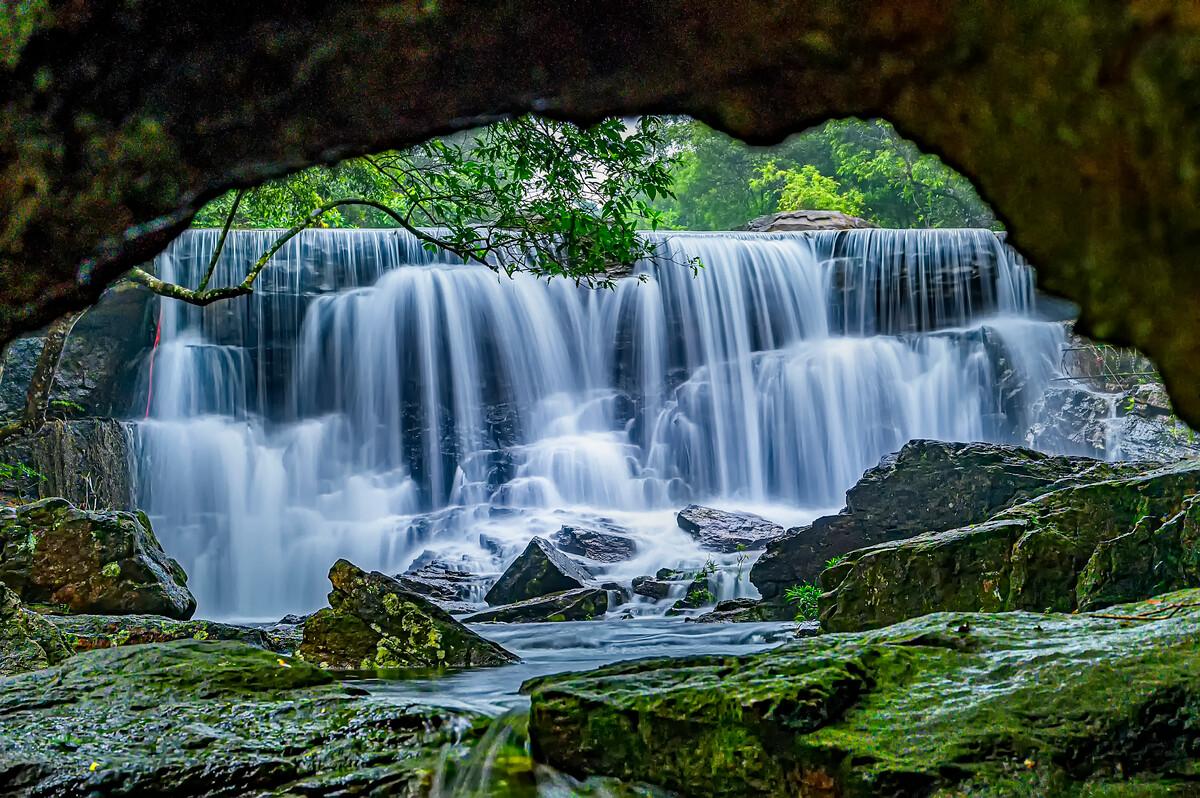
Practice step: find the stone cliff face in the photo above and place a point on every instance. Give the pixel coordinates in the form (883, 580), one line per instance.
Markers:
(1077, 124)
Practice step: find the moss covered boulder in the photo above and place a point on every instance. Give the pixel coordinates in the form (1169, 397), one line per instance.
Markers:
(194, 718)
(950, 704)
(86, 632)
(90, 561)
(374, 623)
(927, 486)
(538, 571)
(28, 641)
(585, 604)
(1082, 546)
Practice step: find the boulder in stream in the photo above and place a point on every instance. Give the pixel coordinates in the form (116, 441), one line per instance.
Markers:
(28, 641)
(594, 544)
(723, 531)
(538, 571)
(374, 623)
(584, 604)
(105, 562)
(1079, 547)
(195, 719)
(977, 704)
(927, 486)
(739, 610)
(87, 632)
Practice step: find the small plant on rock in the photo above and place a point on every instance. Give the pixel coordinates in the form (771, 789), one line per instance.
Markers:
(835, 561)
(804, 599)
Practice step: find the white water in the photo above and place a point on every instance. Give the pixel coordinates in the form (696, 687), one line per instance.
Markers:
(373, 402)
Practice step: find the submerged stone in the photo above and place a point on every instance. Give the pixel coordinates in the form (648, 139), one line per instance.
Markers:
(1079, 547)
(928, 486)
(28, 641)
(374, 623)
(740, 610)
(584, 604)
(947, 704)
(539, 571)
(723, 531)
(86, 632)
(193, 718)
(90, 561)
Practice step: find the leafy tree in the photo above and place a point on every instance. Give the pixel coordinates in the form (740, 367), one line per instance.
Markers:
(807, 189)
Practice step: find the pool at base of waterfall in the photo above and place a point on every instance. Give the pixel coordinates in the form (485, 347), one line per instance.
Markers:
(548, 648)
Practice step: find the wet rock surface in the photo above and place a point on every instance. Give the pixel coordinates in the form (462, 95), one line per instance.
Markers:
(948, 704)
(650, 587)
(444, 584)
(374, 623)
(926, 486)
(193, 718)
(790, 221)
(538, 571)
(28, 641)
(90, 561)
(87, 632)
(726, 532)
(86, 461)
(584, 604)
(741, 610)
(594, 544)
(1081, 546)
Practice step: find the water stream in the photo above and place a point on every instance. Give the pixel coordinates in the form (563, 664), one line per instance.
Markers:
(376, 402)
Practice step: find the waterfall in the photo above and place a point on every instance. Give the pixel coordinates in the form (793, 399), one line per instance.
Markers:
(374, 401)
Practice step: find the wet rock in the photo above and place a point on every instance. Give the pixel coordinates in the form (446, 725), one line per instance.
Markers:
(193, 718)
(927, 486)
(451, 588)
(594, 544)
(539, 571)
(741, 610)
(718, 530)
(649, 587)
(585, 604)
(374, 623)
(101, 562)
(28, 641)
(1070, 419)
(1149, 437)
(998, 704)
(87, 632)
(697, 595)
(1081, 546)
(790, 221)
(85, 461)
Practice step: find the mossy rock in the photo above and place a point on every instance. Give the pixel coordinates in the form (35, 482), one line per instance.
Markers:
(27, 640)
(1078, 547)
(87, 632)
(101, 562)
(374, 623)
(1003, 704)
(198, 718)
(538, 571)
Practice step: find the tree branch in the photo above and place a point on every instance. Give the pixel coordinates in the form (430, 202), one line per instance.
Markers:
(212, 263)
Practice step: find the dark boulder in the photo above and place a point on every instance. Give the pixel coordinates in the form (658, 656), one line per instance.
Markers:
(989, 705)
(927, 486)
(539, 571)
(657, 589)
(697, 595)
(86, 461)
(740, 610)
(90, 562)
(87, 632)
(719, 530)
(453, 589)
(28, 642)
(594, 544)
(199, 719)
(374, 623)
(1079, 547)
(584, 604)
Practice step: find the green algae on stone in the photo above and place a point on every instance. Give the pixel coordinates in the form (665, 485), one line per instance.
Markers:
(86, 632)
(92, 561)
(374, 623)
(927, 705)
(192, 718)
(27, 640)
(1081, 546)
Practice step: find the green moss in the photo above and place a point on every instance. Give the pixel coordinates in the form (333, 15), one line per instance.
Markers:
(111, 570)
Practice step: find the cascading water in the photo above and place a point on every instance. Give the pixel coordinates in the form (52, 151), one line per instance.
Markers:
(376, 402)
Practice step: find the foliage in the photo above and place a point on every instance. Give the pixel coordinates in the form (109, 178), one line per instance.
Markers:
(529, 193)
(804, 598)
(835, 561)
(864, 168)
